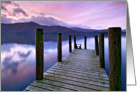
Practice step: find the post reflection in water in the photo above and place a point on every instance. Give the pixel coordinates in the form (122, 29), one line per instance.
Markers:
(18, 62)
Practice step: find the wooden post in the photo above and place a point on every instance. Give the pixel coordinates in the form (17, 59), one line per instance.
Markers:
(39, 54)
(85, 42)
(96, 45)
(74, 42)
(70, 46)
(80, 46)
(101, 50)
(114, 58)
(59, 47)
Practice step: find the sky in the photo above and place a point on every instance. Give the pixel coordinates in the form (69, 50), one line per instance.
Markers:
(84, 14)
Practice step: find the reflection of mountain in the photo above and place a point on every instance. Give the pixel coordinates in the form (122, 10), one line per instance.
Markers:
(25, 32)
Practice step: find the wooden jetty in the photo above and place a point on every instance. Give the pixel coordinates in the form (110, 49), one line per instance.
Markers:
(81, 69)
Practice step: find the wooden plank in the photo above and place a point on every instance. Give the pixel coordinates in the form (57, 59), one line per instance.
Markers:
(79, 71)
(34, 88)
(79, 75)
(79, 79)
(101, 84)
(62, 85)
(48, 85)
(77, 68)
(82, 59)
(94, 85)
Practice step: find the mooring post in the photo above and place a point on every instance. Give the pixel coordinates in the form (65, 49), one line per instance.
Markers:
(96, 45)
(74, 42)
(101, 50)
(114, 58)
(80, 46)
(59, 47)
(39, 54)
(70, 46)
(85, 42)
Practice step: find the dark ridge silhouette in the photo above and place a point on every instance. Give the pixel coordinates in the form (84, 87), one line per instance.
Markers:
(24, 32)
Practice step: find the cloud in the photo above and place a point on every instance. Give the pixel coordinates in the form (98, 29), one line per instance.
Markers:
(12, 9)
(42, 20)
(49, 21)
(91, 14)
(3, 8)
(6, 2)
(16, 4)
(22, 55)
(4, 19)
(42, 14)
(10, 3)
(116, 4)
(10, 65)
(18, 11)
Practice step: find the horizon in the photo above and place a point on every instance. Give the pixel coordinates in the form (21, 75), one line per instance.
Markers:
(56, 25)
(81, 14)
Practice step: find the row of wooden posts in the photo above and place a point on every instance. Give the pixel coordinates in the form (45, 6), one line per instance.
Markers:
(98, 48)
(114, 36)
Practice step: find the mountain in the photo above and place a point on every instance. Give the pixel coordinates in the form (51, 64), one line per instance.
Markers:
(92, 30)
(24, 33)
(30, 27)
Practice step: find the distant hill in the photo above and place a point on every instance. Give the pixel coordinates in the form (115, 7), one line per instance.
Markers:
(87, 30)
(30, 27)
(25, 32)
(91, 30)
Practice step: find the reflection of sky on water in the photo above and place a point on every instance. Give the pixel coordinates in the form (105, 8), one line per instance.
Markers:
(18, 61)
(123, 60)
(17, 66)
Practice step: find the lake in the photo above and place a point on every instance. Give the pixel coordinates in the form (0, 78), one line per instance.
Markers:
(18, 61)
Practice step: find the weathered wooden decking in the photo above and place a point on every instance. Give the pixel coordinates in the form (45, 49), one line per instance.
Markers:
(79, 71)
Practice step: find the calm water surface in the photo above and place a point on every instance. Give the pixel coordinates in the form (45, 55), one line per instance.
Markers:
(18, 62)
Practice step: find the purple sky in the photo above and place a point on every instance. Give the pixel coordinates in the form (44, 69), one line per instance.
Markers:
(85, 14)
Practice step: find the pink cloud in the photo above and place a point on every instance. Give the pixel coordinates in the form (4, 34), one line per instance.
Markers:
(9, 3)
(19, 11)
(89, 13)
(116, 4)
